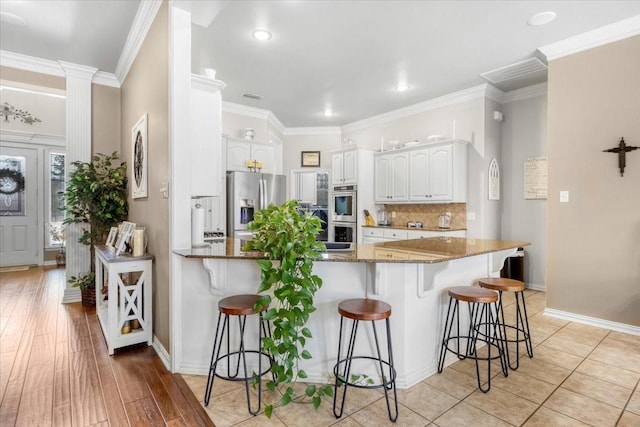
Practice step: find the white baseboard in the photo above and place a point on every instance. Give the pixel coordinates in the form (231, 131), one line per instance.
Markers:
(71, 295)
(162, 353)
(536, 287)
(50, 262)
(593, 321)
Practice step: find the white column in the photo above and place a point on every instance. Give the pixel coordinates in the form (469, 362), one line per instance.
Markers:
(78, 131)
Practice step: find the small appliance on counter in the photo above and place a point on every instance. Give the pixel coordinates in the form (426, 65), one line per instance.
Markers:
(444, 220)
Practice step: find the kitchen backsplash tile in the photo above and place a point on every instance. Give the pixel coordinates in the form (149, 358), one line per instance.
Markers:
(428, 214)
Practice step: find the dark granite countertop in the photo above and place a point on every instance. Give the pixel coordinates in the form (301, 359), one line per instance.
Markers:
(431, 250)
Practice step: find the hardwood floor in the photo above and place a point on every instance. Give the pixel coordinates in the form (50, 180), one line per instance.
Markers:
(55, 368)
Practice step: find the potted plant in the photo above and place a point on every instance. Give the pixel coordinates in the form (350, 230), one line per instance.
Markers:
(57, 232)
(288, 239)
(96, 196)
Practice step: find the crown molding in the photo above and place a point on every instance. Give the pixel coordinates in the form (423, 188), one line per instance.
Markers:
(275, 123)
(79, 71)
(141, 23)
(600, 36)
(318, 130)
(199, 81)
(106, 79)
(245, 110)
(30, 63)
(54, 68)
(532, 91)
(458, 97)
(494, 93)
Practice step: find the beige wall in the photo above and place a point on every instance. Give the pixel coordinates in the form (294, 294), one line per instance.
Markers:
(105, 120)
(16, 75)
(145, 90)
(594, 240)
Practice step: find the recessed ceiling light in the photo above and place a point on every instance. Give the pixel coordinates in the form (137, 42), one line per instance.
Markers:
(328, 112)
(261, 34)
(402, 87)
(542, 18)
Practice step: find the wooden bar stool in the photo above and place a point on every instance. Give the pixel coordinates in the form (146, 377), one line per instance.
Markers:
(367, 310)
(480, 303)
(241, 306)
(522, 322)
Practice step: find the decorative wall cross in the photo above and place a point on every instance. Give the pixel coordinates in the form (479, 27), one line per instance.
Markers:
(622, 150)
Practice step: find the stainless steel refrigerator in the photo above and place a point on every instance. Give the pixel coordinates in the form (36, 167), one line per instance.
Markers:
(248, 192)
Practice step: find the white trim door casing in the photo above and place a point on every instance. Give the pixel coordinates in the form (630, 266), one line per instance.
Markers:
(19, 232)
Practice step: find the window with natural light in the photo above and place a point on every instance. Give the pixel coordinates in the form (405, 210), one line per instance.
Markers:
(57, 186)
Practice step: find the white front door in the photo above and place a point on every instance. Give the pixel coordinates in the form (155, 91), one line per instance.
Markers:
(18, 209)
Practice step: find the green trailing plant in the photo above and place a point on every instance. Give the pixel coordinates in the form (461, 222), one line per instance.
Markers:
(96, 196)
(288, 239)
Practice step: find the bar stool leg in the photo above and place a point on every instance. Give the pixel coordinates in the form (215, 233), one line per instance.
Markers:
(391, 378)
(448, 325)
(214, 358)
(347, 368)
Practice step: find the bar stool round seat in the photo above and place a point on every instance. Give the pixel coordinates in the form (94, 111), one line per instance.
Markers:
(521, 325)
(365, 309)
(482, 303)
(240, 306)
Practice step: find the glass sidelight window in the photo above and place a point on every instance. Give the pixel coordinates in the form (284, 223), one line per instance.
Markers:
(57, 186)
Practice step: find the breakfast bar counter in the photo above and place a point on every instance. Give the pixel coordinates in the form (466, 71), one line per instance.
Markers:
(411, 275)
(431, 250)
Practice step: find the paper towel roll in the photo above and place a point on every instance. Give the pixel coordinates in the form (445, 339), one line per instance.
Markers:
(138, 242)
(197, 226)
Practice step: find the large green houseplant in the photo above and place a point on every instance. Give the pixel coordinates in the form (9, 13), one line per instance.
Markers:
(96, 196)
(288, 239)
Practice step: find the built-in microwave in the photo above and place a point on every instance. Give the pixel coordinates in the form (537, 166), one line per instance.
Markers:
(344, 203)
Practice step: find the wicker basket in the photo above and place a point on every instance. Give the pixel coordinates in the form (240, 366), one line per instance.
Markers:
(89, 296)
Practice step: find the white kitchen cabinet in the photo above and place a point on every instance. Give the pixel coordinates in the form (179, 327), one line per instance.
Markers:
(422, 174)
(344, 167)
(240, 151)
(431, 174)
(391, 183)
(205, 143)
(304, 187)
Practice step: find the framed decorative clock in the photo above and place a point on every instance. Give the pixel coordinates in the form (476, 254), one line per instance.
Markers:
(139, 159)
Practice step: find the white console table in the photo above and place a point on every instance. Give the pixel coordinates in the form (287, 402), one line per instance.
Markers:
(124, 297)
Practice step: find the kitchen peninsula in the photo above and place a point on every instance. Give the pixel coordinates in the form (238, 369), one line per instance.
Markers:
(411, 275)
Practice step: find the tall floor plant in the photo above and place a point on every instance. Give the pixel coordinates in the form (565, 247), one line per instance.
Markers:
(288, 238)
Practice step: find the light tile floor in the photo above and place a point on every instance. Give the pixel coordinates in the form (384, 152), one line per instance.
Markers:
(579, 375)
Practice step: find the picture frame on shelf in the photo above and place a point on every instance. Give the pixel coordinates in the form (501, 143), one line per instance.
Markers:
(310, 159)
(111, 239)
(126, 232)
(139, 159)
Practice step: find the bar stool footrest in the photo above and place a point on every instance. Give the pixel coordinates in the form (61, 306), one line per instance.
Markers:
(247, 377)
(386, 384)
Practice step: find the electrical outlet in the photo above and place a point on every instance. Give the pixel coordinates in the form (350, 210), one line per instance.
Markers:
(393, 214)
(471, 216)
(564, 196)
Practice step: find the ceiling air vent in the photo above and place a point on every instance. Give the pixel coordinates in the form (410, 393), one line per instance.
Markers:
(252, 95)
(519, 70)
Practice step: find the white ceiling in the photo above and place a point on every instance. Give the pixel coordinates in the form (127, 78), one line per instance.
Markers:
(343, 55)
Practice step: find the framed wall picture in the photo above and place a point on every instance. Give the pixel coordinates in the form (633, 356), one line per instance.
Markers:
(126, 232)
(111, 240)
(139, 159)
(310, 159)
